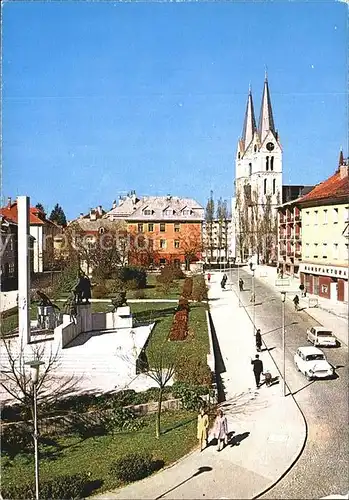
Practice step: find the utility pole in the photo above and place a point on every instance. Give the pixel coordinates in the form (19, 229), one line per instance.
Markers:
(283, 298)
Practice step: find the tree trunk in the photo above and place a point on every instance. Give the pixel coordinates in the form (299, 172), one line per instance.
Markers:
(158, 416)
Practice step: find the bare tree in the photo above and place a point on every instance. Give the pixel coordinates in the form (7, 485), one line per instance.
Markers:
(191, 245)
(16, 380)
(209, 217)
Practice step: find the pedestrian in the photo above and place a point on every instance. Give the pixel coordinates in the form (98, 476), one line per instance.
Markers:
(209, 277)
(305, 292)
(202, 428)
(296, 302)
(221, 430)
(257, 369)
(241, 284)
(301, 287)
(258, 340)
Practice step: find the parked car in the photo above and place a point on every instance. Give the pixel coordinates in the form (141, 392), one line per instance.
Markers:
(318, 335)
(312, 362)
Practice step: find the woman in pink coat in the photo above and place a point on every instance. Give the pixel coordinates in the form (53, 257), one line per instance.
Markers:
(221, 430)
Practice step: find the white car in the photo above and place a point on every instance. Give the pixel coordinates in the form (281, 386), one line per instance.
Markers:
(312, 362)
(318, 335)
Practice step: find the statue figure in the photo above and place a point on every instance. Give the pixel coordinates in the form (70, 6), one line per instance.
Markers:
(45, 301)
(119, 300)
(82, 289)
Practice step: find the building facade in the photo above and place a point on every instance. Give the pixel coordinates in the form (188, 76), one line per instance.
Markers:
(258, 176)
(167, 229)
(217, 241)
(289, 238)
(325, 243)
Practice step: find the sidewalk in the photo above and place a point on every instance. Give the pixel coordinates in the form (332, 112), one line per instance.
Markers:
(268, 428)
(330, 314)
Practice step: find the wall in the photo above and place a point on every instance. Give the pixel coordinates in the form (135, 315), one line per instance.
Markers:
(325, 281)
(8, 300)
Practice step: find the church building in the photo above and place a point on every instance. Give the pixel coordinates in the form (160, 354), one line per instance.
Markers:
(258, 181)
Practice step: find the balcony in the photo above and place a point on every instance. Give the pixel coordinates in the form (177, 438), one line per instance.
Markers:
(297, 236)
(297, 217)
(298, 254)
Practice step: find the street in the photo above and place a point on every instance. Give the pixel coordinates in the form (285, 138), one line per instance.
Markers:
(322, 468)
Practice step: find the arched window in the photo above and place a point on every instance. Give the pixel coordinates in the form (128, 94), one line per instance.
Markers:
(239, 155)
(250, 168)
(274, 185)
(255, 148)
(101, 230)
(265, 186)
(272, 163)
(267, 163)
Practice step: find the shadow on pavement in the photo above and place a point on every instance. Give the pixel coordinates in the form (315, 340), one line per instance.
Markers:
(197, 473)
(301, 389)
(236, 440)
(219, 363)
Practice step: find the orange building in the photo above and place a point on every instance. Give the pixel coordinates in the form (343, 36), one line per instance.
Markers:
(164, 229)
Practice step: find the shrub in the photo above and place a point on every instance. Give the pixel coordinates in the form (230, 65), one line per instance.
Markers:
(138, 274)
(61, 487)
(114, 285)
(134, 466)
(139, 294)
(99, 291)
(131, 284)
(194, 372)
(179, 328)
(66, 279)
(183, 304)
(190, 395)
(170, 273)
(15, 439)
(187, 288)
(199, 292)
(122, 419)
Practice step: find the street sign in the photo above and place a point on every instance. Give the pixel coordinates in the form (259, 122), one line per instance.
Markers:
(282, 282)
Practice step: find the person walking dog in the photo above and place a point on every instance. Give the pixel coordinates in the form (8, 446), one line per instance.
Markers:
(221, 430)
(202, 429)
(257, 369)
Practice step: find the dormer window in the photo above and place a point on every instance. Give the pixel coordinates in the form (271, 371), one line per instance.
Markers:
(168, 212)
(186, 212)
(147, 212)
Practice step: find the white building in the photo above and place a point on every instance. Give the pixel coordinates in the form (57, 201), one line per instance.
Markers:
(258, 170)
(217, 241)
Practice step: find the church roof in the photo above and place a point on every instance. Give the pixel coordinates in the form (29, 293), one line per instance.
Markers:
(249, 122)
(266, 119)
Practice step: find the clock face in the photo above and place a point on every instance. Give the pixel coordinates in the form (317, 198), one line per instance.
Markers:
(270, 146)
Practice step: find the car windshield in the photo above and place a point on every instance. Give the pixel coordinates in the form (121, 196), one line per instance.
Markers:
(323, 333)
(315, 357)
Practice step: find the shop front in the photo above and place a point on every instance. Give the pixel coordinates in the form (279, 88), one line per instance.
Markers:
(329, 282)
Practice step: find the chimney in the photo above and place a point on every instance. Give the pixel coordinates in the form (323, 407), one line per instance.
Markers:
(81, 215)
(100, 210)
(93, 215)
(343, 171)
(9, 201)
(133, 196)
(114, 204)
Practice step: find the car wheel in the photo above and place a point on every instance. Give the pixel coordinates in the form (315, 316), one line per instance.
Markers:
(308, 377)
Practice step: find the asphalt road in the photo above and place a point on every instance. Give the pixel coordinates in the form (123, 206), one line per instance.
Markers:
(323, 467)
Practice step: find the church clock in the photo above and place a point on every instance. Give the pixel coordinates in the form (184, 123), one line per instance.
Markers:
(270, 146)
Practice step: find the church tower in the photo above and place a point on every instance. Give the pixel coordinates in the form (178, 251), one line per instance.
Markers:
(258, 166)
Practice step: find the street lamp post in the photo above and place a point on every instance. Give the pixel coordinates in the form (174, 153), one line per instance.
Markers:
(283, 298)
(253, 268)
(34, 375)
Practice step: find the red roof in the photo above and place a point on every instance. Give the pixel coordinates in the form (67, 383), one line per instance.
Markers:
(334, 187)
(36, 216)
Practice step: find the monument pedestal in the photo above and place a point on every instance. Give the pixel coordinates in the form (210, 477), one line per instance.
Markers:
(84, 317)
(47, 319)
(122, 318)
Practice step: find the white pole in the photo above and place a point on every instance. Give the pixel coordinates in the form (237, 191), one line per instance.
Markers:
(253, 297)
(23, 269)
(283, 347)
(239, 280)
(36, 450)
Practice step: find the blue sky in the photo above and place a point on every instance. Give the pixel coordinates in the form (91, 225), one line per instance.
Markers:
(100, 98)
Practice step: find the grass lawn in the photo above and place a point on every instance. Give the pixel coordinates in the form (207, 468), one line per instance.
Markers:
(71, 454)
(9, 321)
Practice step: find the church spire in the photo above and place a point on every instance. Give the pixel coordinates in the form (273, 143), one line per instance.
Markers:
(250, 121)
(266, 120)
(341, 157)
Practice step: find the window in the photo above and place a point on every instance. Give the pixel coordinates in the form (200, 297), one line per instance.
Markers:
(335, 250)
(177, 227)
(265, 186)
(307, 250)
(250, 168)
(335, 216)
(150, 228)
(267, 163)
(101, 230)
(255, 148)
(147, 211)
(325, 216)
(316, 217)
(186, 212)
(11, 268)
(176, 243)
(162, 243)
(162, 261)
(162, 227)
(177, 263)
(168, 212)
(274, 186)
(315, 250)
(272, 163)
(239, 156)
(307, 217)
(346, 214)
(324, 250)
(140, 228)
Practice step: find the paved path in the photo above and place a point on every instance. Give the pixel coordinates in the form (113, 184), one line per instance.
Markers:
(270, 429)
